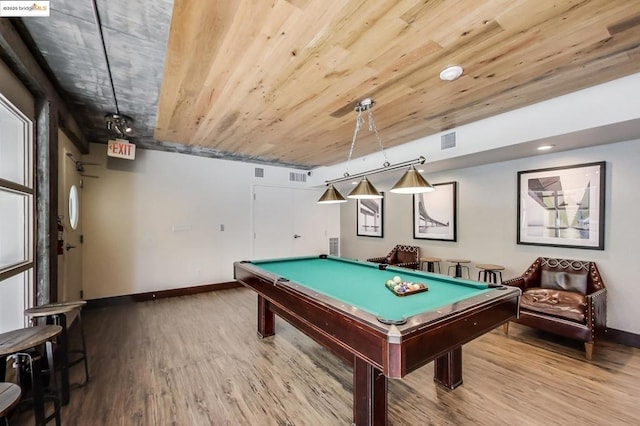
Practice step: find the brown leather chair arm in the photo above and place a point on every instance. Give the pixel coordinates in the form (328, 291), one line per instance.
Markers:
(410, 265)
(531, 276)
(515, 282)
(378, 260)
(597, 310)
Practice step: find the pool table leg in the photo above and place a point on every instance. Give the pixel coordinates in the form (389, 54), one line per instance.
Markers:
(447, 369)
(369, 394)
(266, 319)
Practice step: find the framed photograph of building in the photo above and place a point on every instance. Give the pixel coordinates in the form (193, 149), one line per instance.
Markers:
(369, 218)
(434, 213)
(562, 206)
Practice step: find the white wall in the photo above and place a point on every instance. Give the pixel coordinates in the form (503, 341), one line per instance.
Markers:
(130, 211)
(12, 89)
(487, 223)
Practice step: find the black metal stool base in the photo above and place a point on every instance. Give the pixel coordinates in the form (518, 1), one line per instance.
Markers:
(83, 355)
(61, 320)
(458, 271)
(490, 276)
(28, 366)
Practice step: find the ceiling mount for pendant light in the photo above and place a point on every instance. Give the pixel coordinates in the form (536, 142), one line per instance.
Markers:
(119, 123)
(410, 183)
(364, 189)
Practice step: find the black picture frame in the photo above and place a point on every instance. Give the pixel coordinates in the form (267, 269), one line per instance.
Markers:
(370, 217)
(562, 206)
(435, 214)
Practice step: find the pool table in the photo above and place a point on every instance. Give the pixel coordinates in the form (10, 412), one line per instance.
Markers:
(345, 306)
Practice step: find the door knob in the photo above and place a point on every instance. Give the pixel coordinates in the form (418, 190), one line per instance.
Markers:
(296, 236)
(69, 247)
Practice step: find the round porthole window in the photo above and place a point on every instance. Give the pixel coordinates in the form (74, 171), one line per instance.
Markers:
(74, 207)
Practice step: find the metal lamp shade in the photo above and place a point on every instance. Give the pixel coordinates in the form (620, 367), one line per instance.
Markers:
(412, 182)
(364, 191)
(331, 196)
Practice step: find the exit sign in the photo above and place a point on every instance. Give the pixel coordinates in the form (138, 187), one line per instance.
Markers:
(121, 148)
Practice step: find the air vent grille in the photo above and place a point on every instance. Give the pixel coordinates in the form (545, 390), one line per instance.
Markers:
(448, 141)
(334, 246)
(259, 172)
(297, 177)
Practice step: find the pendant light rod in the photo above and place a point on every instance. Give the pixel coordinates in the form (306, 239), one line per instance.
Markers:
(96, 16)
(419, 160)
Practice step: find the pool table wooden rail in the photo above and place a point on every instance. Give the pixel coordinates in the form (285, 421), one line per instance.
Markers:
(395, 350)
(317, 320)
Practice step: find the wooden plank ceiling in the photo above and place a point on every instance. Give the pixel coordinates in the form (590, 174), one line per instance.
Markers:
(278, 80)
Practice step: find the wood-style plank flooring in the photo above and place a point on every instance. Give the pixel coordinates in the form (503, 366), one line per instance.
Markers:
(196, 360)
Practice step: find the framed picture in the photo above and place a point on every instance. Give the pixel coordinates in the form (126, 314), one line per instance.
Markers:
(434, 213)
(370, 218)
(562, 206)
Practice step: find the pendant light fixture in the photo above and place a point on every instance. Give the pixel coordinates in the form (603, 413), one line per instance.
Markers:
(332, 196)
(410, 183)
(364, 190)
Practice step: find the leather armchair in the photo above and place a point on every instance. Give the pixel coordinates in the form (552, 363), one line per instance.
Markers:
(564, 297)
(401, 255)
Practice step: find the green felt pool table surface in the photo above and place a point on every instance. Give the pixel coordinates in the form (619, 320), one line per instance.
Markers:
(345, 306)
(362, 285)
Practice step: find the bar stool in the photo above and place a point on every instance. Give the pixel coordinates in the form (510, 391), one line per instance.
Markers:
(9, 397)
(56, 313)
(431, 263)
(459, 267)
(22, 346)
(490, 272)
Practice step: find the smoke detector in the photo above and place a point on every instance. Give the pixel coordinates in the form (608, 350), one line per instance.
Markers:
(451, 73)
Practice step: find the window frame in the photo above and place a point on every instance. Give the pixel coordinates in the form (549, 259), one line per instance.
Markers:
(27, 189)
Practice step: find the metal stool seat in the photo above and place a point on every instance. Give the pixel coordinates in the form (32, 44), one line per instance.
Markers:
(9, 398)
(23, 347)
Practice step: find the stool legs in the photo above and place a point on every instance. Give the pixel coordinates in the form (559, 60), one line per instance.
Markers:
(63, 356)
(82, 351)
(490, 276)
(458, 270)
(431, 266)
(31, 362)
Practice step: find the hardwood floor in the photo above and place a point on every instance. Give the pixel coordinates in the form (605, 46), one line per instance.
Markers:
(196, 360)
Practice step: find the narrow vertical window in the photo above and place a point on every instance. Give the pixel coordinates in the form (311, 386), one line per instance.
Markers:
(16, 215)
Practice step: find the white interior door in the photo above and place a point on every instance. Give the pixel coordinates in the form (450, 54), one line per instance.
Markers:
(310, 223)
(289, 222)
(70, 262)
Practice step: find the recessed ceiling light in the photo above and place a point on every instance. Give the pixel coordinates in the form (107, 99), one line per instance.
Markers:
(545, 147)
(451, 73)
